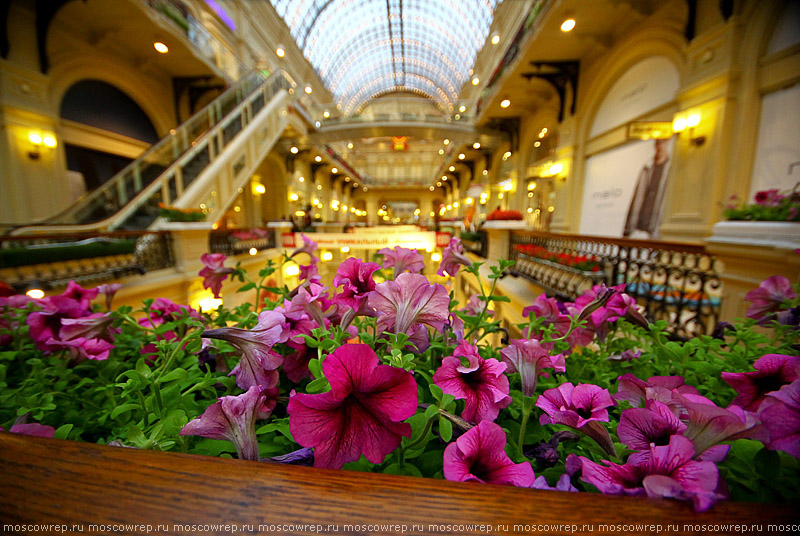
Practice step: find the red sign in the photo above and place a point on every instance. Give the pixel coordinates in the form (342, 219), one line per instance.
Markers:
(442, 240)
(287, 239)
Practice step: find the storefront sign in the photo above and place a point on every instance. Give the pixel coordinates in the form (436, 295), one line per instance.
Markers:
(358, 240)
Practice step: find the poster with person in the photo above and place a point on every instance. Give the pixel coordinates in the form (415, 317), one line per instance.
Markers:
(625, 189)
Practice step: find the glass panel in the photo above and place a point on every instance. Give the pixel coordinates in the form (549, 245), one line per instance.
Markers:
(365, 48)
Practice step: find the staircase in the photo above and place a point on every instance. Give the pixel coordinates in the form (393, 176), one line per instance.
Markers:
(201, 164)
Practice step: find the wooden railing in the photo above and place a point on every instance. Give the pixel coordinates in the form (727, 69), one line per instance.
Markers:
(88, 488)
(676, 282)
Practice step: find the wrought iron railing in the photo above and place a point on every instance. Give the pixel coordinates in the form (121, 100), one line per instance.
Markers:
(676, 282)
(237, 241)
(51, 261)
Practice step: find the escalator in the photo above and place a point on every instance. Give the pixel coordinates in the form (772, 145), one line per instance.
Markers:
(209, 153)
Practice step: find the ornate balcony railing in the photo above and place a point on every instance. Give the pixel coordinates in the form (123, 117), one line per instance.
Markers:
(238, 241)
(51, 261)
(676, 282)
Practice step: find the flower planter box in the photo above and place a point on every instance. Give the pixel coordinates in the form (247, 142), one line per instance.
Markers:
(564, 281)
(48, 481)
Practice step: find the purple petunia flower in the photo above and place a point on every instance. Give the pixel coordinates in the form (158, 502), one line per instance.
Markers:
(310, 299)
(781, 417)
(408, 300)
(361, 414)
(479, 456)
(31, 429)
(214, 273)
(84, 296)
(663, 472)
(529, 358)
(772, 372)
(481, 383)
(45, 325)
(547, 308)
(453, 258)
(232, 418)
(634, 390)
(309, 272)
(259, 361)
(769, 296)
(402, 260)
(94, 326)
(309, 247)
(355, 276)
(581, 407)
(475, 306)
(82, 348)
(654, 424)
(109, 290)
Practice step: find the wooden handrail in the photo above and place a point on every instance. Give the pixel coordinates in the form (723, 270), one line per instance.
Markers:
(688, 247)
(49, 481)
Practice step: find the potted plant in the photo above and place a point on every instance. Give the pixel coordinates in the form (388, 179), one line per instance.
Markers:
(397, 378)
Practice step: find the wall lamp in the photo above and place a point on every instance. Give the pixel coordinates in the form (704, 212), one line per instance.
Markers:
(39, 139)
(685, 120)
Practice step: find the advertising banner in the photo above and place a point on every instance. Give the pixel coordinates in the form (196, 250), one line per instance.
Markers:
(409, 239)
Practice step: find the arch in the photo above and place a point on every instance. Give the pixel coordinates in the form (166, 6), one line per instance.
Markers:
(69, 69)
(101, 105)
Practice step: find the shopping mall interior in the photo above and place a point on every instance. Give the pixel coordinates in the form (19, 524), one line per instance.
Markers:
(611, 128)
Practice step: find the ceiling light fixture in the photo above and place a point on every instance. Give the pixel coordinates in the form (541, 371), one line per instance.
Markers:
(495, 39)
(160, 47)
(568, 24)
(476, 81)
(461, 156)
(462, 108)
(505, 103)
(336, 170)
(308, 90)
(280, 52)
(317, 158)
(452, 168)
(476, 145)
(446, 141)
(294, 150)
(350, 145)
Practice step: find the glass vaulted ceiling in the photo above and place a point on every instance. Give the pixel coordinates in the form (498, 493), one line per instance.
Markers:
(366, 48)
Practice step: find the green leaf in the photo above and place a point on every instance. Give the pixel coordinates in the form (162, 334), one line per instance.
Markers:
(176, 374)
(246, 287)
(119, 410)
(406, 469)
(445, 429)
(497, 298)
(320, 385)
(431, 412)
(436, 391)
(63, 431)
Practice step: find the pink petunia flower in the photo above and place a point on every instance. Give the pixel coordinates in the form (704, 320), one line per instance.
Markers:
(83, 295)
(772, 372)
(82, 348)
(634, 390)
(529, 358)
(582, 408)
(94, 326)
(547, 308)
(481, 383)
(479, 456)
(664, 472)
(654, 424)
(355, 277)
(259, 361)
(408, 300)
(311, 299)
(308, 247)
(309, 272)
(214, 273)
(45, 324)
(32, 429)
(453, 258)
(769, 296)
(402, 260)
(781, 417)
(475, 306)
(361, 414)
(232, 418)
(109, 290)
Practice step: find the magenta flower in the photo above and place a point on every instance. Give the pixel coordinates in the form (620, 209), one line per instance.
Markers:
(310, 272)
(663, 472)
(311, 299)
(361, 414)
(259, 361)
(547, 308)
(410, 300)
(582, 408)
(402, 260)
(479, 456)
(529, 358)
(769, 296)
(563, 484)
(214, 273)
(453, 258)
(781, 417)
(109, 290)
(232, 418)
(634, 390)
(655, 424)
(45, 325)
(32, 429)
(308, 247)
(82, 348)
(161, 312)
(772, 372)
(94, 326)
(475, 306)
(481, 383)
(355, 276)
(83, 295)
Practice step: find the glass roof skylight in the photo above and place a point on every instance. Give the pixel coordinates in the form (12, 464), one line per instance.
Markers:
(364, 48)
